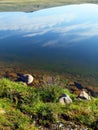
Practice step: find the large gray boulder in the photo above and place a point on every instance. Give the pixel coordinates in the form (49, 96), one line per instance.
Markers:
(65, 99)
(27, 78)
(84, 95)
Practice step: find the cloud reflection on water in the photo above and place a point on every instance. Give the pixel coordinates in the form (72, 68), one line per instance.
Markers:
(65, 21)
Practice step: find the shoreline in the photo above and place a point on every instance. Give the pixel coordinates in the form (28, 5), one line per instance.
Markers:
(31, 6)
(43, 77)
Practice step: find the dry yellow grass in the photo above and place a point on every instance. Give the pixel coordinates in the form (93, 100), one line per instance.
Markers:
(32, 5)
(2, 111)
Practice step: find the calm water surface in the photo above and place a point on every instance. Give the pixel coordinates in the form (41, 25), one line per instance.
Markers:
(62, 39)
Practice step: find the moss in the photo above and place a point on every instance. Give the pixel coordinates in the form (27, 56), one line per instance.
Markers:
(21, 105)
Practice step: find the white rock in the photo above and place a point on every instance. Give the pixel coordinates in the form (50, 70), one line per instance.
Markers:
(84, 95)
(27, 78)
(65, 99)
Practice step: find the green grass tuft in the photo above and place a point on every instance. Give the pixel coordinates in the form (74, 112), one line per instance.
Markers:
(21, 106)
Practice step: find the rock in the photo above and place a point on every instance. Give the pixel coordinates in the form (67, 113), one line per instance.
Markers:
(51, 79)
(91, 91)
(72, 84)
(10, 75)
(27, 78)
(65, 99)
(48, 80)
(67, 126)
(61, 125)
(79, 86)
(84, 95)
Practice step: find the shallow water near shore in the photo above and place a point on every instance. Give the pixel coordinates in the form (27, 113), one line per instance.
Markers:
(61, 39)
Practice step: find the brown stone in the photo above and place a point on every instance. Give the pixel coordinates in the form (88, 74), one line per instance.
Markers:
(47, 79)
(72, 84)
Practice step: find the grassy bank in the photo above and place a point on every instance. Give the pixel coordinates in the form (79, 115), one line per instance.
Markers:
(32, 5)
(26, 108)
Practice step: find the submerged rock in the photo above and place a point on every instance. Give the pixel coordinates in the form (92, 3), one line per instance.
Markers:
(65, 99)
(48, 80)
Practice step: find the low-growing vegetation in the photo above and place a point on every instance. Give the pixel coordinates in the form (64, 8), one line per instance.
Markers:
(26, 108)
(32, 5)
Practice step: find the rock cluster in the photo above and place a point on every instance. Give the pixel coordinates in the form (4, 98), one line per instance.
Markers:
(60, 126)
(65, 98)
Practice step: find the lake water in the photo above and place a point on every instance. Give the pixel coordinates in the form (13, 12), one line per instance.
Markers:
(61, 39)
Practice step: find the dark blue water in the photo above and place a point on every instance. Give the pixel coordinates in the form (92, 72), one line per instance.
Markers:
(62, 39)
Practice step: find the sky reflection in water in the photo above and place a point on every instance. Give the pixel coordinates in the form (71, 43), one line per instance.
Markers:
(66, 35)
